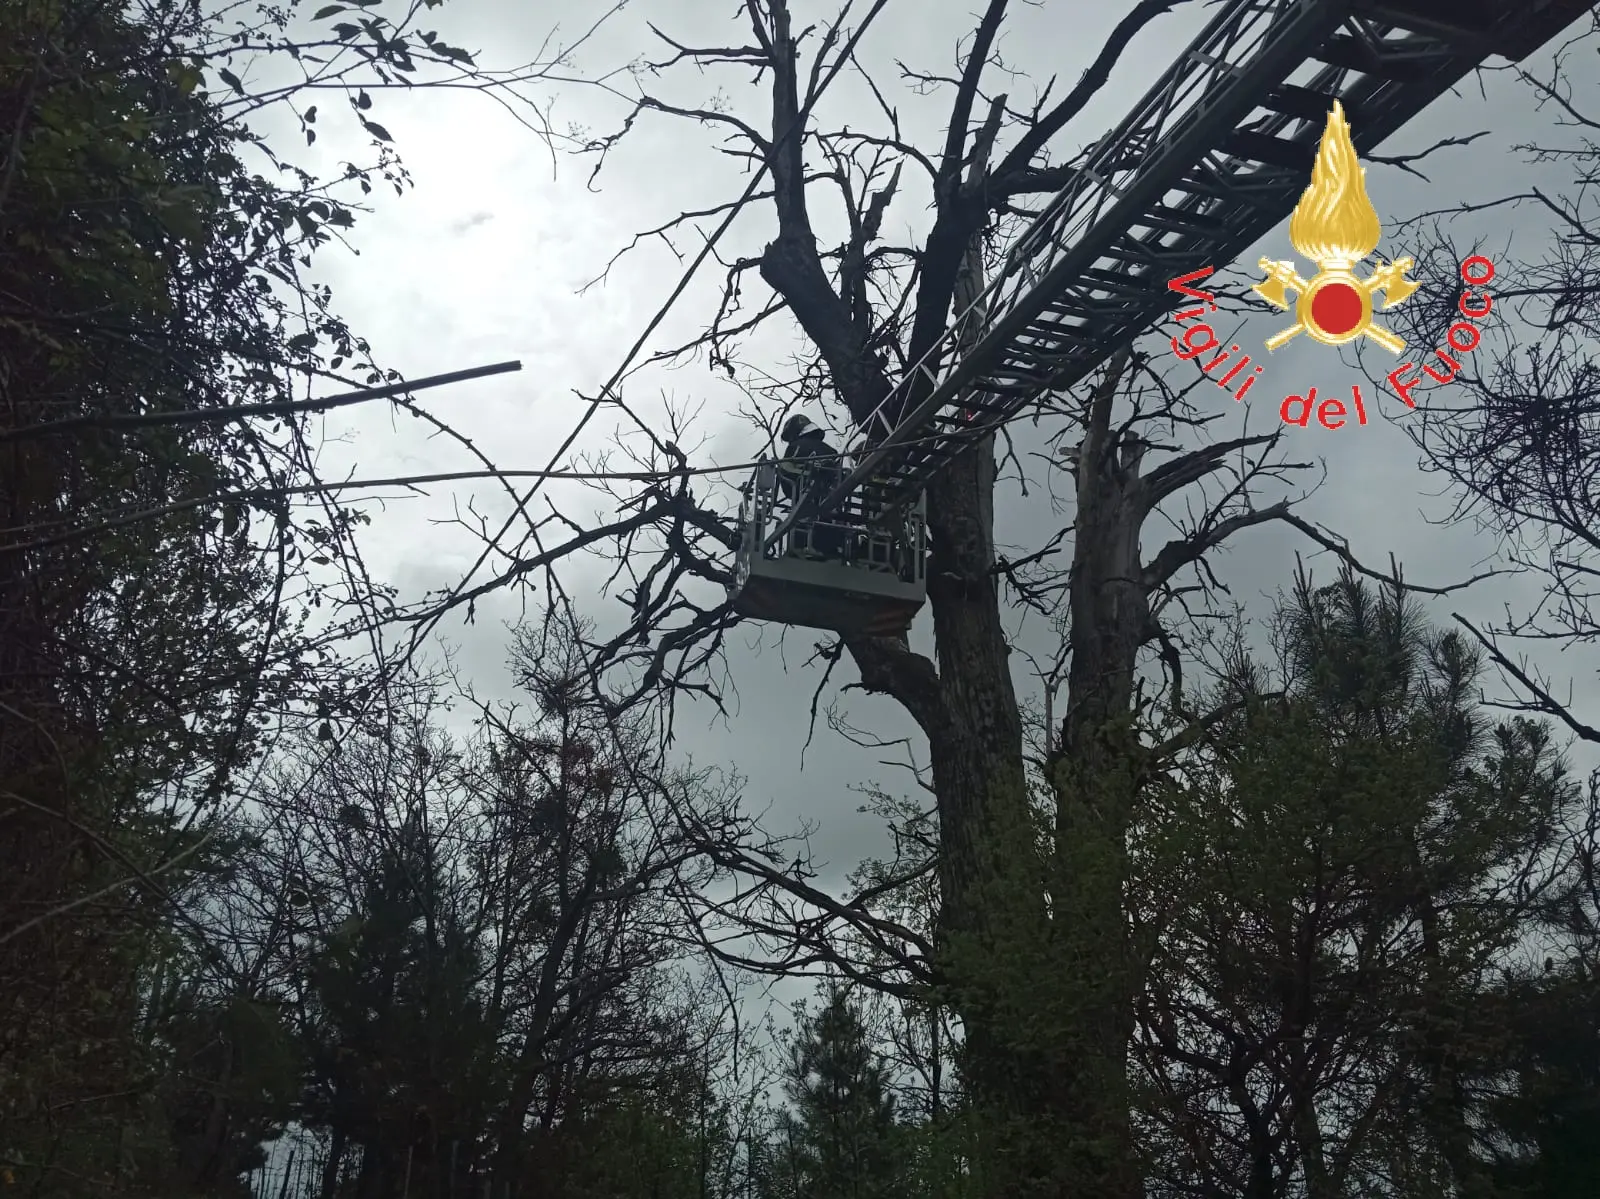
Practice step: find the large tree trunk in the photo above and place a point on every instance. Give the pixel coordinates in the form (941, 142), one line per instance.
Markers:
(1094, 777)
(1045, 1000)
(993, 935)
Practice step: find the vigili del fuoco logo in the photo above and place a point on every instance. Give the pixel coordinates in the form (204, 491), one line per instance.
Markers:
(1336, 227)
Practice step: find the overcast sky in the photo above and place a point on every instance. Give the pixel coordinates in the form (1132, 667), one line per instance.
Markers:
(485, 259)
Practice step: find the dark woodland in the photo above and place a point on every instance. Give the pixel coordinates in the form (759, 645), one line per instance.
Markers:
(1303, 904)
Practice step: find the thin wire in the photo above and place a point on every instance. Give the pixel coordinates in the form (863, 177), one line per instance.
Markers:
(520, 510)
(256, 495)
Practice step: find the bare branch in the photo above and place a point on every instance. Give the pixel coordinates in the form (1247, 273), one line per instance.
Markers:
(1021, 156)
(1543, 701)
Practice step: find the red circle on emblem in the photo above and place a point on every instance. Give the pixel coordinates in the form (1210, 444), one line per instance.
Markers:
(1336, 308)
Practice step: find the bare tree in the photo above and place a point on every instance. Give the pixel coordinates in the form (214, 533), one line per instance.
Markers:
(1523, 447)
(477, 940)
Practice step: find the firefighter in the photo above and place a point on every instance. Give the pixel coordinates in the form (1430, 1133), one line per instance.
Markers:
(807, 471)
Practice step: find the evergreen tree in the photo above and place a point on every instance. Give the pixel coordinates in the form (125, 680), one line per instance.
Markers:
(1329, 1004)
(402, 1049)
(839, 1138)
(1547, 1129)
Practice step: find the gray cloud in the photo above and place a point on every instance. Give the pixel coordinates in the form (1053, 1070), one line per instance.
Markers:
(436, 290)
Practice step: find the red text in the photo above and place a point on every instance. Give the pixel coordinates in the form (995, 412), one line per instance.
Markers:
(1462, 337)
(1199, 338)
(1331, 413)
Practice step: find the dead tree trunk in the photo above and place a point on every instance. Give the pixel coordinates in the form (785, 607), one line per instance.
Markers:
(1093, 777)
(1050, 1128)
(1032, 944)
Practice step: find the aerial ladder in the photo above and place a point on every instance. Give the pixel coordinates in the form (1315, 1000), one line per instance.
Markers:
(1208, 162)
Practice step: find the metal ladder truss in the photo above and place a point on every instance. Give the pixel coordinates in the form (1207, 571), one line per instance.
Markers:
(1226, 140)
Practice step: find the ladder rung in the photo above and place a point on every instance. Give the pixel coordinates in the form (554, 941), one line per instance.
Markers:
(1124, 282)
(1274, 151)
(1179, 221)
(1393, 63)
(1294, 101)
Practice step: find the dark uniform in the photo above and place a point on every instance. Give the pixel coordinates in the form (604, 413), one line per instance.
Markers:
(808, 470)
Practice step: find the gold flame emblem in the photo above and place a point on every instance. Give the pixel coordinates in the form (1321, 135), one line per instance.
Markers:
(1336, 227)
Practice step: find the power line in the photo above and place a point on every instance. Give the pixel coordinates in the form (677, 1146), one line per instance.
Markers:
(107, 520)
(796, 127)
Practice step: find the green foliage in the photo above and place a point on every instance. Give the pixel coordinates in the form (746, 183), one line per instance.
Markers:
(1328, 875)
(636, 1148)
(839, 1138)
(1551, 1119)
(402, 1049)
(148, 642)
(126, 662)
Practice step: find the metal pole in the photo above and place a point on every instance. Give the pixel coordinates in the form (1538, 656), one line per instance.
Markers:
(200, 416)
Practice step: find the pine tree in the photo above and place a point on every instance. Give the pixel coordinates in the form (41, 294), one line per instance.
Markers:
(839, 1138)
(1334, 996)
